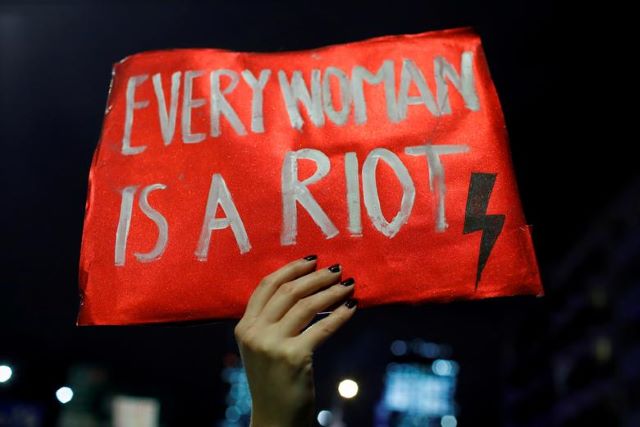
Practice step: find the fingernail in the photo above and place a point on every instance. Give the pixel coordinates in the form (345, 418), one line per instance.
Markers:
(311, 257)
(335, 268)
(348, 282)
(351, 302)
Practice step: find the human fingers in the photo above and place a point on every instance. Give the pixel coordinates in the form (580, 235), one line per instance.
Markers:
(269, 284)
(289, 293)
(299, 316)
(317, 333)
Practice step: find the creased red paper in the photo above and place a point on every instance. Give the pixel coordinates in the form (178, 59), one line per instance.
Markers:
(210, 162)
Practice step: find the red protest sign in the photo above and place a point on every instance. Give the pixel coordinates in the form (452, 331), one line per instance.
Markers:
(214, 168)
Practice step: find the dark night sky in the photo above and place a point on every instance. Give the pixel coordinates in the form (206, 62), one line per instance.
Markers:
(55, 65)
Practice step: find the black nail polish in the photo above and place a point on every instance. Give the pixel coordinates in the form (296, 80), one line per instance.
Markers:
(348, 282)
(335, 268)
(351, 302)
(311, 257)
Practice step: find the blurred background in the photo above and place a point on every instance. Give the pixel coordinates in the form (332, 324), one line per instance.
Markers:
(571, 358)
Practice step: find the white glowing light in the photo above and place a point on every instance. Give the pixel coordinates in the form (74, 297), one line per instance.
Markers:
(448, 421)
(5, 373)
(64, 395)
(444, 368)
(324, 417)
(348, 388)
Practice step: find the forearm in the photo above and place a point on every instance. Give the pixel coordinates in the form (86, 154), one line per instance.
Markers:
(277, 347)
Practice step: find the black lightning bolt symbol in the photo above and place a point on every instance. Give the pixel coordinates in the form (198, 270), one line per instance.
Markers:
(476, 218)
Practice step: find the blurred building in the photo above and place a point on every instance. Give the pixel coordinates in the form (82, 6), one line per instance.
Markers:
(419, 387)
(576, 360)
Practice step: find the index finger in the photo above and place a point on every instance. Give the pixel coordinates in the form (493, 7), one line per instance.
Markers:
(317, 333)
(269, 285)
